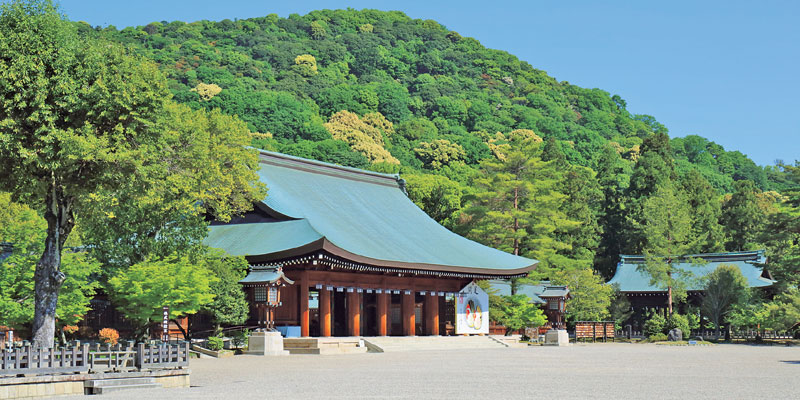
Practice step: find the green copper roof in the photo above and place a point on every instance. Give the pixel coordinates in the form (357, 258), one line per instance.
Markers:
(749, 262)
(358, 215)
(261, 275)
(502, 287)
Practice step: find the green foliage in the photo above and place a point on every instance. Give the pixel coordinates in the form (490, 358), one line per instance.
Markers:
(215, 343)
(141, 290)
(678, 321)
(516, 312)
(742, 217)
(25, 230)
(666, 232)
(229, 306)
(655, 325)
(438, 196)
(726, 288)
(590, 298)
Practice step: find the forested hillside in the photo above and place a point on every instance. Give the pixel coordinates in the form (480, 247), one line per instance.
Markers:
(289, 76)
(380, 90)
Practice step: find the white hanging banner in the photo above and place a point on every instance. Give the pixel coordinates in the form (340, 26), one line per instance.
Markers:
(472, 310)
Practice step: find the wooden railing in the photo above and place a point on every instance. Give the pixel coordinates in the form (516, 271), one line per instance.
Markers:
(171, 355)
(30, 360)
(86, 358)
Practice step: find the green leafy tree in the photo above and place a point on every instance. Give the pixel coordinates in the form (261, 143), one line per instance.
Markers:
(437, 195)
(141, 290)
(590, 298)
(516, 312)
(666, 229)
(76, 115)
(725, 289)
(229, 306)
(24, 230)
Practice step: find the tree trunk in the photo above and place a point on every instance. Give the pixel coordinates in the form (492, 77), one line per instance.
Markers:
(183, 331)
(48, 277)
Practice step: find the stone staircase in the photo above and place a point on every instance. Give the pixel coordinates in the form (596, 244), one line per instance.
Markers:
(387, 344)
(103, 386)
(328, 345)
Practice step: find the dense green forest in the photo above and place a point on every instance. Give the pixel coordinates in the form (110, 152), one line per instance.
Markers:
(490, 147)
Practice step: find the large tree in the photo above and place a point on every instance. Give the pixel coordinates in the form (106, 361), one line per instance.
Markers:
(666, 230)
(743, 217)
(705, 211)
(725, 289)
(80, 116)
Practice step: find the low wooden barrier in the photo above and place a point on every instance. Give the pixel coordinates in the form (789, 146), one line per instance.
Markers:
(30, 360)
(162, 356)
(594, 330)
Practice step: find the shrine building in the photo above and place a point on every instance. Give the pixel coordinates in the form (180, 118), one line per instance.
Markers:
(645, 297)
(351, 255)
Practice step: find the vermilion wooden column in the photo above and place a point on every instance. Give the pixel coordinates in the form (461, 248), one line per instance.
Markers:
(354, 313)
(409, 322)
(303, 301)
(432, 315)
(383, 313)
(325, 312)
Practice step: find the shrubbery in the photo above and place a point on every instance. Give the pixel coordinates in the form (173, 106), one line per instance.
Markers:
(677, 321)
(655, 325)
(215, 343)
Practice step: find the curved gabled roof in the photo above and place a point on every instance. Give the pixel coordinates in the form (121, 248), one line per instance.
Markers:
(358, 215)
(630, 279)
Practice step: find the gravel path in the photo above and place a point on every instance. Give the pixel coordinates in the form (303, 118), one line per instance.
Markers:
(579, 371)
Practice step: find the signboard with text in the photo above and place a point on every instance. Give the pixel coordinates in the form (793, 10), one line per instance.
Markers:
(165, 324)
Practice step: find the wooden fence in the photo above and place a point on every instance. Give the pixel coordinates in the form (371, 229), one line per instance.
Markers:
(594, 330)
(86, 358)
(30, 360)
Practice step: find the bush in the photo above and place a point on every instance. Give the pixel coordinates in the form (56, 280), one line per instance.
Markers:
(215, 343)
(108, 336)
(655, 325)
(678, 321)
(240, 337)
(658, 337)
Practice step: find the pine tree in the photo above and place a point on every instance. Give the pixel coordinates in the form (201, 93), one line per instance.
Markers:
(705, 212)
(613, 180)
(742, 217)
(666, 229)
(654, 169)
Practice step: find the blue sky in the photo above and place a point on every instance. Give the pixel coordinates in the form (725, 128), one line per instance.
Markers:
(725, 70)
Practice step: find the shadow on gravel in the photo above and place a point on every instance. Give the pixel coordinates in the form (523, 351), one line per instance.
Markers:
(791, 361)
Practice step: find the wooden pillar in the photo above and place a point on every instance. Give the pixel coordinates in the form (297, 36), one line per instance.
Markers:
(354, 314)
(324, 312)
(409, 323)
(432, 315)
(383, 313)
(303, 301)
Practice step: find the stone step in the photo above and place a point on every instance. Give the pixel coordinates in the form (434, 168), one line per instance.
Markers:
(96, 383)
(112, 389)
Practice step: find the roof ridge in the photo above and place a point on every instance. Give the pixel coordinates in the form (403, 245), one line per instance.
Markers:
(300, 161)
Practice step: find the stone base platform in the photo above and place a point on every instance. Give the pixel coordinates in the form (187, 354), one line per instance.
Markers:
(325, 345)
(56, 385)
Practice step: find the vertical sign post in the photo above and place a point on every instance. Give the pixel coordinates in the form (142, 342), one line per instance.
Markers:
(165, 324)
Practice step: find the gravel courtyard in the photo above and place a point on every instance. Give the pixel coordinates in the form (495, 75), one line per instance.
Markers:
(578, 371)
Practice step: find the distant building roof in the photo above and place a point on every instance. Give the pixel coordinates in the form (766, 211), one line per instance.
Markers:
(360, 216)
(750, 263)
(554, 291)
(502, 287)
